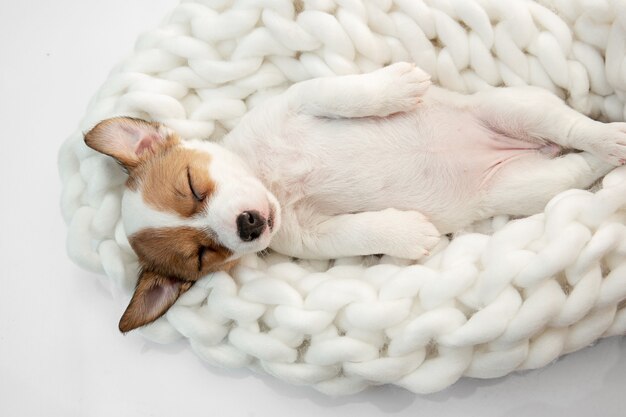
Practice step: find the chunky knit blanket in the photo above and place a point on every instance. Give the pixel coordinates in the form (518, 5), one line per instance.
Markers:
(506, 295)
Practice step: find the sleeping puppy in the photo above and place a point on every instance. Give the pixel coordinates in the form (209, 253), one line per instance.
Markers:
(379, 163)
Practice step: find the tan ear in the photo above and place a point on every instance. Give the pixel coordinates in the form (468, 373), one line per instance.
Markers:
(153, 295)
(125, 138)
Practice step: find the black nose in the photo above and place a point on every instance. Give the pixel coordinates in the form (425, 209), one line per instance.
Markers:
(250, 225)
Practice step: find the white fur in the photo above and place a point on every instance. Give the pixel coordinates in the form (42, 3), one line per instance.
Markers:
(381, 162)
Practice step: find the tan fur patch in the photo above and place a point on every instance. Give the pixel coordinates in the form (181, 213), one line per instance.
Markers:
(167, 178)
(181, 252)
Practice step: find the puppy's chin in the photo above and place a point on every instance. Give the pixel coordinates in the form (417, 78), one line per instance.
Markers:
(258, 245)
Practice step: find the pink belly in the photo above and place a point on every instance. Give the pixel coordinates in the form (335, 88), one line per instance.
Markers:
(494, 151)
(476, 153)
(438, 161)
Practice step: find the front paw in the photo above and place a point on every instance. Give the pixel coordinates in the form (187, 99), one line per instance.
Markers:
(413, 236)
(402, 86)
(609, 143)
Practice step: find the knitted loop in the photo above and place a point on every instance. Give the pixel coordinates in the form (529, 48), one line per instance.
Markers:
(515, 296)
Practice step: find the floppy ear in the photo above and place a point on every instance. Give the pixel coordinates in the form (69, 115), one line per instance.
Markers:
(125, 138)
(153, 295)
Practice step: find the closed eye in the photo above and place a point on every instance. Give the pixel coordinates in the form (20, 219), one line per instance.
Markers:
(202, 250)
(196, 195)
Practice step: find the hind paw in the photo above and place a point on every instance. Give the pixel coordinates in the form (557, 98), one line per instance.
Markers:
(610, 144)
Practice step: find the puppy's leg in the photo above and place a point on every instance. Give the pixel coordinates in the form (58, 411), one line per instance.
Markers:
(525, 186)
(395, 88)
(405, 234)
(536, 115)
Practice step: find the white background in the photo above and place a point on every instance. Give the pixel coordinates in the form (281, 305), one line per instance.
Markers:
(60, 351)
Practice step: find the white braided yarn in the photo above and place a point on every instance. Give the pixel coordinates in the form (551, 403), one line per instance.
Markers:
(484, 305)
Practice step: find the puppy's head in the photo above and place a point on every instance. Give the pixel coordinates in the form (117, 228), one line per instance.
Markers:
(189, 208)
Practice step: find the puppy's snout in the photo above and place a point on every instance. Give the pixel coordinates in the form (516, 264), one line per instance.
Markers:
(250, 225)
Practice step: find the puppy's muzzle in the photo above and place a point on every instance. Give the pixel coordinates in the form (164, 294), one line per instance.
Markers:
(250, 225)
